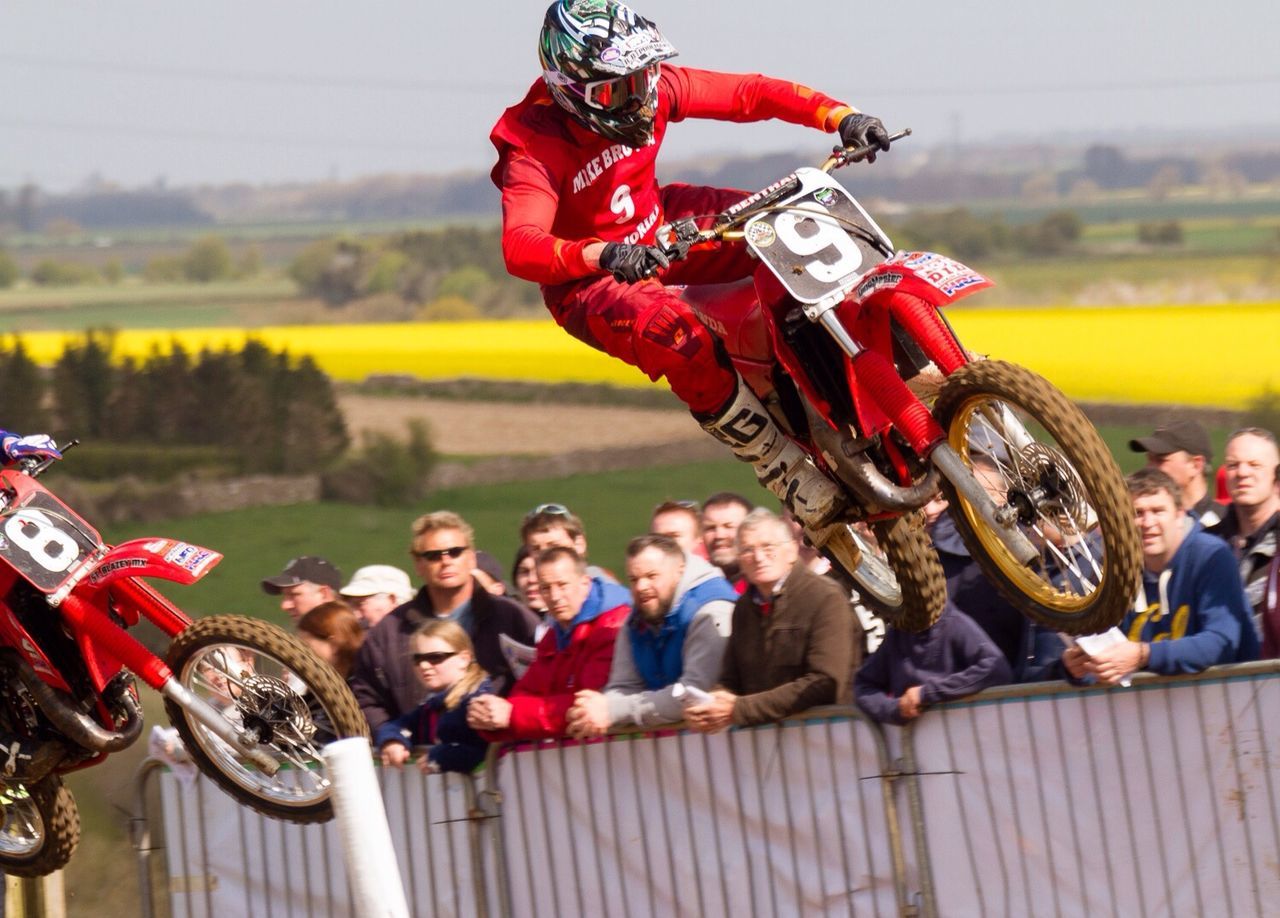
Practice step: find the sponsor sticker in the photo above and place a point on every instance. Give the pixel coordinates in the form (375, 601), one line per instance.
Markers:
(761, 235)
(946, 274)
(609, 54)
(112, 566)
(877, 282)
(158, 547)
(825, 196)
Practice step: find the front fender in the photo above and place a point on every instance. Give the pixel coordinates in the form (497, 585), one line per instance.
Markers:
(164, 558)
(934, 278)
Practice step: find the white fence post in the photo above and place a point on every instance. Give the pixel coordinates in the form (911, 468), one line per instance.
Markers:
(372, 871)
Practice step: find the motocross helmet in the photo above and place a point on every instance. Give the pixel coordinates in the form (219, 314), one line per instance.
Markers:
(600, 61)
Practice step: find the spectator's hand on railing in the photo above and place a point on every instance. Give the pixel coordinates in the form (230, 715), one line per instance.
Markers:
(488, 712)
(394, 754)
(1077, 663)
(910, 705)
(713, 716)
(589, 715)
(1117, 662)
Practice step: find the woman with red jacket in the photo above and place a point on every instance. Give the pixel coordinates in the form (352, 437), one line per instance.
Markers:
(581, 204)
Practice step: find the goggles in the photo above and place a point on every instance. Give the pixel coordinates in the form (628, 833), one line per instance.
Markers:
(622, 93)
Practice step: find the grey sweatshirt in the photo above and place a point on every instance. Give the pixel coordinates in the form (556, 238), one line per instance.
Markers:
(630, 701)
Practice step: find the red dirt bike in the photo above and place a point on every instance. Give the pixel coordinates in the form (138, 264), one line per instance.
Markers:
(251, 703)
(843, 341)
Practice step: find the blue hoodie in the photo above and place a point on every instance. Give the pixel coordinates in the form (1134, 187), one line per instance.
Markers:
(603, 597)
(1194, 613)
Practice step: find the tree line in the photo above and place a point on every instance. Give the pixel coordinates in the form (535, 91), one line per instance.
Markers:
(254, 409)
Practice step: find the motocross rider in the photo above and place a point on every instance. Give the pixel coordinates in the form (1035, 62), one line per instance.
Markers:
(581, 204)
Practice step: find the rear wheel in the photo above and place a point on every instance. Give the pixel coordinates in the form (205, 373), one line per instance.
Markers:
(1038, 455)
(270, 683)
(40, 828)
(896, 573)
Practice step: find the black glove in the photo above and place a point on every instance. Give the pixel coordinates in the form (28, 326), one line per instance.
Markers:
(631, 263)
(859, 129)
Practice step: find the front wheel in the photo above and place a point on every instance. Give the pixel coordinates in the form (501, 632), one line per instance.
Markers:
(893, 569)
(271, 684)
(40, 828)
(1041, 460)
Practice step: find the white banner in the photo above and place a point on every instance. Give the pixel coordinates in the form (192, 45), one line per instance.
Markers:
(773, 821)
(226, 860)
(1156, 800)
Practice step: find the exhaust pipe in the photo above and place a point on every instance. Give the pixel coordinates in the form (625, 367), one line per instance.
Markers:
(74, 724)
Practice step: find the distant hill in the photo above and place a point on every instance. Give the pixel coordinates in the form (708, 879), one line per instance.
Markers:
(915, 177)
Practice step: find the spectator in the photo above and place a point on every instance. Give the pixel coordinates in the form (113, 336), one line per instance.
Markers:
(680, 520)
(1271, 611)
(1182, 451)
(334, 633)
(676, 633)
(1252, 526)
(1192, 612)
(384, 681)
(551, 525)
(813, 560)
(524, 575)
(445, 662)
(376, 590)
(722, 514)
(488, 573)
(574, 654)
(303, 584)
(792, 640)
(910, 671)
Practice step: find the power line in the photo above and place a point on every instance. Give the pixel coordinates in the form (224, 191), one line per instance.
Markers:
(396, 84)
(258, 78)
(161, 133)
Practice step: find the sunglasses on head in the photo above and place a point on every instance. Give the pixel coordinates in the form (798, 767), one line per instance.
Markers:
(550, 510)
(435, 554)
(436, 657)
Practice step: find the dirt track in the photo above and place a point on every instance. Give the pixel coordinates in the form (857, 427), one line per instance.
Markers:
(495, 428)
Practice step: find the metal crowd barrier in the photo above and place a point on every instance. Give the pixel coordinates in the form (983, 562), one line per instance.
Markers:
(1159, 799)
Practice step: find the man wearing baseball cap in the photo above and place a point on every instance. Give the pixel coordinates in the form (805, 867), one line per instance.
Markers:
(304, 583)
(1181, 450)
(375, 590)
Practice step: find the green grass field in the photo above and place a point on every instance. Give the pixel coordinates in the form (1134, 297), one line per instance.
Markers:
(614, 506)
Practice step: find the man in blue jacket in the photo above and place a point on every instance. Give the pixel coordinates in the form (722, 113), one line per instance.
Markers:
(1191, 613)
(676, 635)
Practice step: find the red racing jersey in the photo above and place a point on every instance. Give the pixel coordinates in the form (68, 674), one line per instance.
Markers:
(565, 187)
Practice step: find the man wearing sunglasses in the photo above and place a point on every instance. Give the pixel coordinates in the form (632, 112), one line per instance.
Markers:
(444, 557)
(581, 204)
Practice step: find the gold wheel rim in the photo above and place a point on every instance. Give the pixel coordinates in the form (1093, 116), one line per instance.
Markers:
(1025, 579)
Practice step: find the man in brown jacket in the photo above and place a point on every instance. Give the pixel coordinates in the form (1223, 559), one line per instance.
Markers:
(792, 642)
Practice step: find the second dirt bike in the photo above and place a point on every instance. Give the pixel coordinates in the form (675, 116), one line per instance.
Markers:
(843, 341)
(252, 704)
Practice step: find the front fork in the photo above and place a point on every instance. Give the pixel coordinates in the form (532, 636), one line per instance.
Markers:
(86, 618)
(922, 431)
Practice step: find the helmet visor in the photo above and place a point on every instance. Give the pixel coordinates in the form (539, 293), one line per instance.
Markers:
(622, 94)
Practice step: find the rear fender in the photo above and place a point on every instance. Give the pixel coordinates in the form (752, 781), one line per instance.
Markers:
(166, 559)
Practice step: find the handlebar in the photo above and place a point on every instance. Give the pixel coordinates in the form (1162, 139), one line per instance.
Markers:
(683, 234)
(36, 467)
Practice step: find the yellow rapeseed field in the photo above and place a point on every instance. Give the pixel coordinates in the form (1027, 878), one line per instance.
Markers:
(1202, 355)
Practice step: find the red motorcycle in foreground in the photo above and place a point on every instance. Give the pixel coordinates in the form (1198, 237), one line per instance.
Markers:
(842, 340)
(252, 704)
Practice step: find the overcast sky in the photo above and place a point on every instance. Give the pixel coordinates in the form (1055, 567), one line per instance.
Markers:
(271, 91)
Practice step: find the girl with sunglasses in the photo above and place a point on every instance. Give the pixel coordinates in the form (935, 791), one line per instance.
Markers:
(445, 663)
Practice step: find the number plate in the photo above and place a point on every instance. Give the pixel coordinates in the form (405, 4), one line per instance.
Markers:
(809, 245)
(43, 541)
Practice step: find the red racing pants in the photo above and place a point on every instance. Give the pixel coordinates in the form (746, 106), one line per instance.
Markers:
(647, 324)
